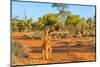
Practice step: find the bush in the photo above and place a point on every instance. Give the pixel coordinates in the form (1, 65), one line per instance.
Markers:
(28, 37)
(19, 53)
(35, 36)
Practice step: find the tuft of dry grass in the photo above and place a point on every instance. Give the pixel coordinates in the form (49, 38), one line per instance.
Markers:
(19, 53)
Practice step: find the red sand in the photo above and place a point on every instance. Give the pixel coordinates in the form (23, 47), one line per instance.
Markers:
(57, 57)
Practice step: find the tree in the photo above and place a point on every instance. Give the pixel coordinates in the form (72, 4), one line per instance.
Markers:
(63, 13)
(91, 22)
(28, 24)
(47, 21)
(59, 26)
(51, 20)
(14, 24)
(75, 24)
(81, 25)
(94, 21)
(38, 25)
(21, 25)
(60, 6)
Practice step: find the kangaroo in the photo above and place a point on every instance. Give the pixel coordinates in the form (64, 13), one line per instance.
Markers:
(46, 46)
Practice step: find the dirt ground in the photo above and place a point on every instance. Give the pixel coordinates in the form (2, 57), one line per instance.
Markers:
(61, 52)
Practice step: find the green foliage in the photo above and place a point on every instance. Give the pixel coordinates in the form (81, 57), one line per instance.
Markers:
(29, 24)
(63, 20)
(48, 20)
(59, 26)
(72, 19)
(14, 24)
(39, 24)
(51, 20)
(21, 25)
(76, 23)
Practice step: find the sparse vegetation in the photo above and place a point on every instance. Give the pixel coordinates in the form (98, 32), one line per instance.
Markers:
(70, 37)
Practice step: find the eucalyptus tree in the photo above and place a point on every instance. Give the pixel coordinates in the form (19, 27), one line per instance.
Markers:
(75, 24)
(63, 12)
(47, 21)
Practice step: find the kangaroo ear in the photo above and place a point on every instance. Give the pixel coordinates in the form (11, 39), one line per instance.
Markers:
(50, 31)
